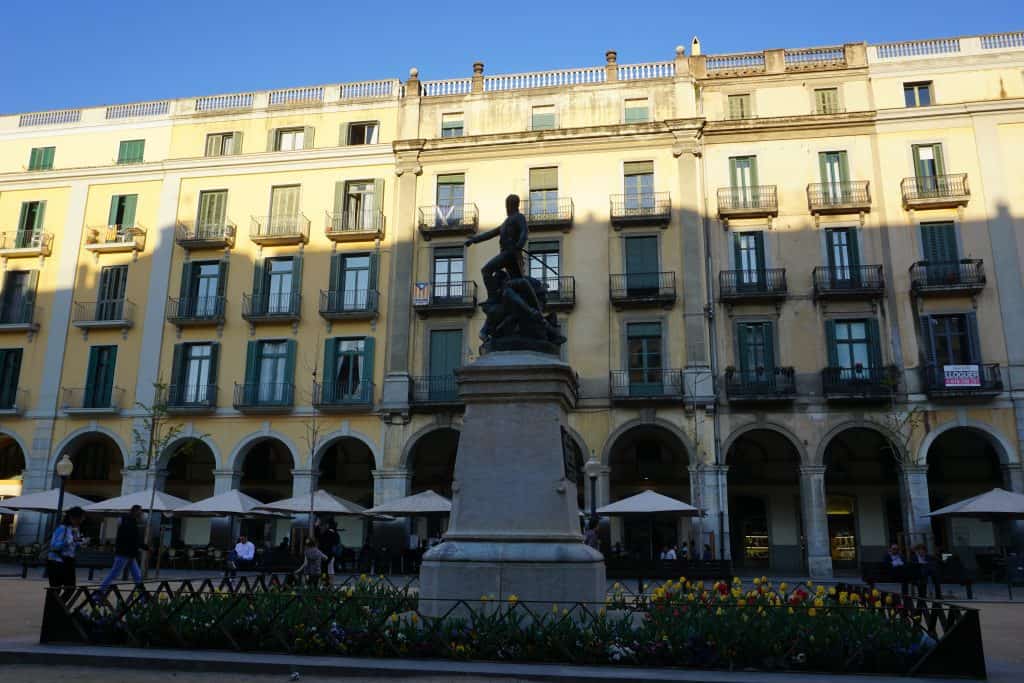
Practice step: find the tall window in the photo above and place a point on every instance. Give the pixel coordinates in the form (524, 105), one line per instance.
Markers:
(843, 255)
(195, 372)
(17, 297)
(122, 214)
(542, 117)
(451, 198)
(739, 106)
(212, 215)
(748, 250)
(930, 169)
(41, 158)
(111, 292)
(351, 281)
(348, 369)
(826, 101)
(853, 346)
(223, 144)
(835, 176)
(131, 151)
(290, 139)
(545, 264)
(449, 273)
(273, 375)
(364, 133)
(30, 225)
(202, 288)
(544, 191)
(452, 125)
(284, 210)
(445, 357)
(743, 181)
(917, 94)
(10, 373)
(361, 204)
(951, 339)
(642, 278)
(280, 285)
(638, 184)
(941, 254)
(99, 379)
(643, 345)
(636, 110)
(755, 346)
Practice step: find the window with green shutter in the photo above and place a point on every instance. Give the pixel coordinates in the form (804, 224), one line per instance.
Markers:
(637, 110)
(543, 117)
(223, 144)
(644, 358)
(941, 255)
(739, 106)
(131, 151)
(41, 158)
(348, 370)
(543, 191)
(212, 215)
(30, 225)
(10, 373)
(270, 372)
(99, 379)
(452, 125)
(755, 348)
(363, 133)
(122, 212)
(917, 94)
(826, 101)
(853, 346)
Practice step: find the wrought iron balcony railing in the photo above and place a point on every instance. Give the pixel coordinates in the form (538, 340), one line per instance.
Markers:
(451, 219)
(544, 214)
(105, 313)
(846, 196)
(765, 284)
(190, 398)
(444, 297)
(642, 289)
(439, 390)
(646, 385)
(858, 383)
(748, 202)
(92, 399)
(354, 226)
(271, 307)
(947, 278)
(279, 229)
(191, 235)
(935, 192)
(264, 396)
(349, 304)
(647, 208)
(16, 243)
(343, 396)
(848, 282)
(760, 384)
(115, 238)
(17, 314)
(962, 380)
(194, 311)
(561, 292)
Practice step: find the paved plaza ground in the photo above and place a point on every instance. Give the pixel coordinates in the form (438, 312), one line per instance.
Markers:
(1002, 624)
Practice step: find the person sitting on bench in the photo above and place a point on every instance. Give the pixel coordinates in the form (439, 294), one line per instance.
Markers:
(896, 568)
(926, 569)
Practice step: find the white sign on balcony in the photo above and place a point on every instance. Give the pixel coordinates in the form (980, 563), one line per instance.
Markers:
(961, 375)
(421, 294)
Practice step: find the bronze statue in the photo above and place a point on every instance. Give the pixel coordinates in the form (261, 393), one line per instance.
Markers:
(515, 301)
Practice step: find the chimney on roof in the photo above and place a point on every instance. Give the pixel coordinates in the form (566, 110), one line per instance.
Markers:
(695, 47)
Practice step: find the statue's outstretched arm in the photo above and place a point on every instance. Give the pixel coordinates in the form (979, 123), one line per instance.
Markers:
(484, 236)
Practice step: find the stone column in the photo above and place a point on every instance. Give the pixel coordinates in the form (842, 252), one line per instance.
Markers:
(222, 532)
(602, 486)
(708, 492)
(611, 66)
(477, 85)
(915, 504)
(37, 476)
(390, 484)
(812, 503)
(133, 479)
(303, 482)
(225, 480)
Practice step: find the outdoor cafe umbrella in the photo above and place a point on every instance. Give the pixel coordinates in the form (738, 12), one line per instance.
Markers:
(321, 502)
(649, 504)
(997, 505)
(423, 504)
(44, 501)
(162, 502)
(5, 511)
(232, 503)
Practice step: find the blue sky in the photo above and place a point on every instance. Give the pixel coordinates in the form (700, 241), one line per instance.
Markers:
(83, 52)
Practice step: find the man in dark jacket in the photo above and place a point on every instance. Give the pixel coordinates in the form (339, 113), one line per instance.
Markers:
(126, 549)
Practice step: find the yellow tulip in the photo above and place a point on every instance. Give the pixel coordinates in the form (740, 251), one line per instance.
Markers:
(812, 612)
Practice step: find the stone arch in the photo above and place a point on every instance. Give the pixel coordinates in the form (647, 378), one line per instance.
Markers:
(85, 431)
(823, 443)
(21, 446)
(795, 441)
(626, 427)
(171, 449)
(328, 440)
(410, 443)
(242, 448)
(1000, 444)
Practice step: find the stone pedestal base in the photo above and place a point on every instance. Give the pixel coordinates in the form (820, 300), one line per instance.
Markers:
(514, 526)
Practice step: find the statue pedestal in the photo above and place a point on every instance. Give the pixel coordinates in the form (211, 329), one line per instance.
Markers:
(515, 527)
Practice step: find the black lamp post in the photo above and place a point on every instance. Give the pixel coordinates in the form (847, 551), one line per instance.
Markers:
(593, 470)
(64, 469)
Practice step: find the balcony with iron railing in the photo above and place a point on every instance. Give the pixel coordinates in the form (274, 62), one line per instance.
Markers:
(190, 399)
(264, 397)
(760, 384)
(191, 235)
(13, 401)
(758, 201)
(949, 278)
(112, 314)
(848, 196)
(549, 214)
(196, 311)
(279, 230)
(25, 243)
(355, 226)
(443, 298)
(935, 192)
(640, 209)
(858, 383)
(343, 397)
(561, 292)
(272, 307)
(642, 290)
(92, 401)
(979, 380)
(646, 385)
(442, 221)
(434, 392)
(115, 238)
(848, 282)
(349, 304)
(752, 286)
(18, 315)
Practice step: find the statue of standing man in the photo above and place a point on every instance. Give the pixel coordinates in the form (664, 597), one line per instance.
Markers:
(512, 235)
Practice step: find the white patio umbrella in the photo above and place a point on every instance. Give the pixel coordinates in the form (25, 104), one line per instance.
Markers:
(423, 504)
(5, 511)
(45, 501)
(232, 503)
(322, 502)
(649, 504)
(162, 502)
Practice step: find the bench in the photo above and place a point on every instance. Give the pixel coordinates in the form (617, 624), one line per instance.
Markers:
(693, 570)
(84, 559)
(952, 573)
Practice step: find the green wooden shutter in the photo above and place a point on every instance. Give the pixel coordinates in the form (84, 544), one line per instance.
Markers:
(236, 141)
(768, 329)
(973, 341)
(250, 388)
(852, 235)
(289, 368)
(297, 275)
(130, 202)
(47, 160)
(34, 158)
(115, 202)
(742, 341)
(330, 373)
(307, 137)
(874, 343)
(334, 282)
(272, 140)
(339, 201)
(258, 268)
(90, 377)
(940, 165)
(733, 175)
(761, 263)
(214, 367)
(844, 167)
(753, 173)
(30, 295)
(374, 268)
(367, 370)
(37, 225)
(343, 134)
(823, 167)
(186, 283)
(378, 203)
(178, 367)
(212, 146)
(927, 340)
(830, 343)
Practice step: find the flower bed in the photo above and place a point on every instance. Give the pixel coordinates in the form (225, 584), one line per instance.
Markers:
(730, 626)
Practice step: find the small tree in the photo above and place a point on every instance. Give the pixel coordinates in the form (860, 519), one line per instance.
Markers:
(312, 429)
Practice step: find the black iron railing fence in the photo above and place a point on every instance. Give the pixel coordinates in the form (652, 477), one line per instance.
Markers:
(624, 287)
(748, 199)
(741, 284)
(778, 382)
(848, 279)
(196, 309)
(838, 194)
(936, 187)
(938, 275)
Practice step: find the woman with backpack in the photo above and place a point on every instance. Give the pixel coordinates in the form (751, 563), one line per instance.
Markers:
(60, 560)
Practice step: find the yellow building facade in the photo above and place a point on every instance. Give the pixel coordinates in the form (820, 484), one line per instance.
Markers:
(790, 282)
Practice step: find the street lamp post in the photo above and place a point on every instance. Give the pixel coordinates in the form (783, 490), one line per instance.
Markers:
(593, 470)
(64, 469)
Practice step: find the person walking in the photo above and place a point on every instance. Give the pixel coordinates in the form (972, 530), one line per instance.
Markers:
(328, 542)
(126, 549)
(60, 561)
(312, 562)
